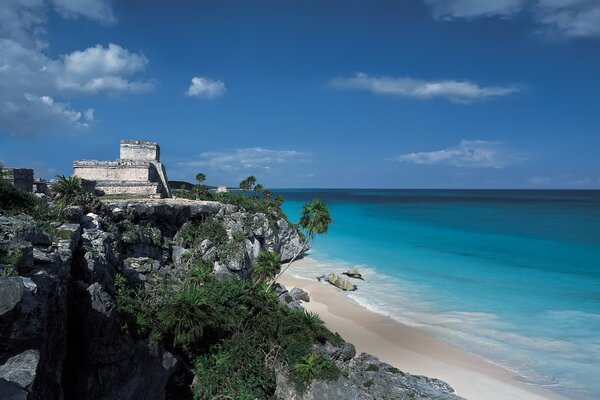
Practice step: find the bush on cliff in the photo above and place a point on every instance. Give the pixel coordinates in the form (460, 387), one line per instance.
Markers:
(233, 331)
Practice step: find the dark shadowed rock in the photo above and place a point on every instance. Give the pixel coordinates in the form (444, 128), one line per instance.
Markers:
(11, 294)
(21, 368)
(299, 294)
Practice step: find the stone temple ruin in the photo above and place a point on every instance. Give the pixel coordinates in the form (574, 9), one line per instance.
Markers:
(20, 177)
(138, 171)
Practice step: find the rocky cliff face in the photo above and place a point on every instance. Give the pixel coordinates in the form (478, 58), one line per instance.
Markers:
(60, 335)
(62, 338)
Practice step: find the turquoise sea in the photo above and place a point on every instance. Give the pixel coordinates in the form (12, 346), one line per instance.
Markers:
(511, 275)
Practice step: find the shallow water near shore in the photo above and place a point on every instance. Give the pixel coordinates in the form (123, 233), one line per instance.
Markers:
(513, 276)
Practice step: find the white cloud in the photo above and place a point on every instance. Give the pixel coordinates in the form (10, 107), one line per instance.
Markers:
(455, 91)
(569, 18)
(450, 9)
(98, 69)
(556, 18)
(247, 159)
(468, 153)
(206, 88)
(29, 78)
(99, 10)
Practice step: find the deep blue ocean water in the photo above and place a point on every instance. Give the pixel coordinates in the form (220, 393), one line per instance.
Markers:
(513, 276)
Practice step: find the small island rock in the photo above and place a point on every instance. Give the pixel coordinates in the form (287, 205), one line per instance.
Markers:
(340, 282)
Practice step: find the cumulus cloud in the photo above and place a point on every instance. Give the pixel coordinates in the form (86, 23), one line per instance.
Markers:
(99, 10)
(99, 68)
(35, 88)
(556, 18)
(247, 159)
(455, 91)
(450, 9)
(468, 153)
(206, 88)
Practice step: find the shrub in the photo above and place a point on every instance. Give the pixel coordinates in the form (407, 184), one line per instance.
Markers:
(235, 369)
(311, 367)
(265, 267)
(184, 315)
(14, 200)
(210, 228)
(10, 256)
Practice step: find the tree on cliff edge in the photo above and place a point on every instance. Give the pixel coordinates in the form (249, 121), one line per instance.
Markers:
(314, 220)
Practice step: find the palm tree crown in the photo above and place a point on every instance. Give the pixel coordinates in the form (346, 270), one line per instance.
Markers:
(315, 218)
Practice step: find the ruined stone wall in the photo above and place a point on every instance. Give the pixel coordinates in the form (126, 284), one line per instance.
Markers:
(139, 150)
(20, 177)
(137, 171)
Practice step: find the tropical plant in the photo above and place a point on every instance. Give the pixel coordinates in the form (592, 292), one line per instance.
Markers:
(313, 322)
(251, 181)
(66, 188)
(200, 177)
(184, 316)
(314, 220)
(265, 267)
(278, 200)
(258, 189)
(267, 194)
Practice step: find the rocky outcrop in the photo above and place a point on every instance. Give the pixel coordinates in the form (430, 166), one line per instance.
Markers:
(353, 273)
(340, 282)
(34, 308)
(60, 335)
(366, 378)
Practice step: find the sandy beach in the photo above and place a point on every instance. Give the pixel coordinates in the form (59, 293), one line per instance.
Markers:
(411, 349)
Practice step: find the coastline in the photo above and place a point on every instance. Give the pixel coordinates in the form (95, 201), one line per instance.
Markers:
(411, 349)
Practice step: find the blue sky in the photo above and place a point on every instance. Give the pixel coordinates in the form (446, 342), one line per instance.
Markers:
(399, 94)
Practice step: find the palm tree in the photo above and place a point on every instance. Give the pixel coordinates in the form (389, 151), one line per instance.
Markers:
(314, 220)
(265, 267)
(258, 189)
(251, 181)
(200, 177)
(66, 188)
(201, 190)
(244, 185)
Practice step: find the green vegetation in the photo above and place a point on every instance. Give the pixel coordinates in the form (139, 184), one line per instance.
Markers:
(314, 220)
(10, 256)
(373, 367)
(210, 228)
(265, 267)
(8, 272)
(232, 331)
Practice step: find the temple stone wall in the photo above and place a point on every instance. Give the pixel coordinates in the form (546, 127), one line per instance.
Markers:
(138, 171)
(20, 177)
(114, 170)
(139, 150)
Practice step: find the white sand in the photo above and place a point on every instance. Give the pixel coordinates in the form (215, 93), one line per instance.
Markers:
(411, 349)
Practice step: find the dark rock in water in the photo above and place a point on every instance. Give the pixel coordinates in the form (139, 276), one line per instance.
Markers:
(354, 273)
(299, 294)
